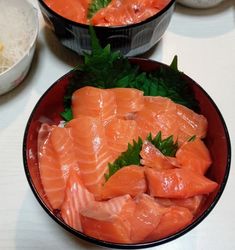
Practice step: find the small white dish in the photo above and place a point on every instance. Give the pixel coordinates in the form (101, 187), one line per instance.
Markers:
(200, 4)
(16, 73)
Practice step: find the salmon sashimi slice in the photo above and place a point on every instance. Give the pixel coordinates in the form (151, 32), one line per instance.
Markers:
(106, 16)
(168, 125)
(148, 121)
(152, 157)
(64, 147)
(178, 183)
(146, 217)
(75, 10)
(173, 220)
(51, 173)
(192, 203)
(119, 133)
(128, 180)
(77, 197)
(194, 155)
(95, 102)
(92, 150)
(120, 12)
(190, 124)
(109, 220)
(43, 135)
(158, 115)
(161, 114)
(159, 104)
(106, 210)
(129, 101)
(160, 4)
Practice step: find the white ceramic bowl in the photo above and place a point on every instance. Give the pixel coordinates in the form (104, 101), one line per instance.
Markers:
(200, 3)
(14, 75)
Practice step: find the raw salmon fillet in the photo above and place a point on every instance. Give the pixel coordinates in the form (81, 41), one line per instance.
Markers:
(51, 173)
(121, 12)
(174, 219)
(146, 217)
(178, 183)
(77, 197)
(190, 123)
(147, 123)
(152, 157)
(119, 133)
(109, 220)
(159, 104)
(75, 10)
(118, 12)
(95, 102)
(158, 114)
(159, 4)
(59, 146)
(194, 155)
(92, 149)
(129, 101)
(128, 180)
(64, 147)
(106, 210)
(161, 114)
(43, 135)
(192, 203)
(137, 203)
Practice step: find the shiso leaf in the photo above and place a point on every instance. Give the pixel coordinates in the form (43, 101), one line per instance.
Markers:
(174, 63)
(67, 114)
(104, 68)
(130, 157)
(167, 146)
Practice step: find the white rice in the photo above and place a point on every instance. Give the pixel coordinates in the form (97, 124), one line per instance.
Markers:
(16, 33)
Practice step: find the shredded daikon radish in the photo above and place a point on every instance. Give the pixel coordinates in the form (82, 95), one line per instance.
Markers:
(16, 34)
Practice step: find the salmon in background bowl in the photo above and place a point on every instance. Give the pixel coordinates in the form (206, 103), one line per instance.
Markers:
(103, 190)
(130, 39)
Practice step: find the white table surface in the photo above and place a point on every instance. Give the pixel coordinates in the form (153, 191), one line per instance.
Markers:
(204, 41)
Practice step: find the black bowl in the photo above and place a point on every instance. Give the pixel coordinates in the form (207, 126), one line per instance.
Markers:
(48, 109)
(131, 39)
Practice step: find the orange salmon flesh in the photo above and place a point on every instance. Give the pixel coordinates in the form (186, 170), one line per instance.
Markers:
(116, 13)
(138, 203)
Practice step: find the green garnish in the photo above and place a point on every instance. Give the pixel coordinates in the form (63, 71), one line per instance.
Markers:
(104, 68)
(67, 114)
(167, 146)
(96, 5)
(192, 138)
(130, 157)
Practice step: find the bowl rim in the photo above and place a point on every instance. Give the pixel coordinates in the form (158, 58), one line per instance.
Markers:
(126, 245)
(33, 39)
(111, 28)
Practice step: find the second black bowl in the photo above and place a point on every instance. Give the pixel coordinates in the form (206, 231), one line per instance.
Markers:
(131, 39)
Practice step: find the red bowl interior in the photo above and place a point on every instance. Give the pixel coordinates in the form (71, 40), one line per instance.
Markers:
(48, 109)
